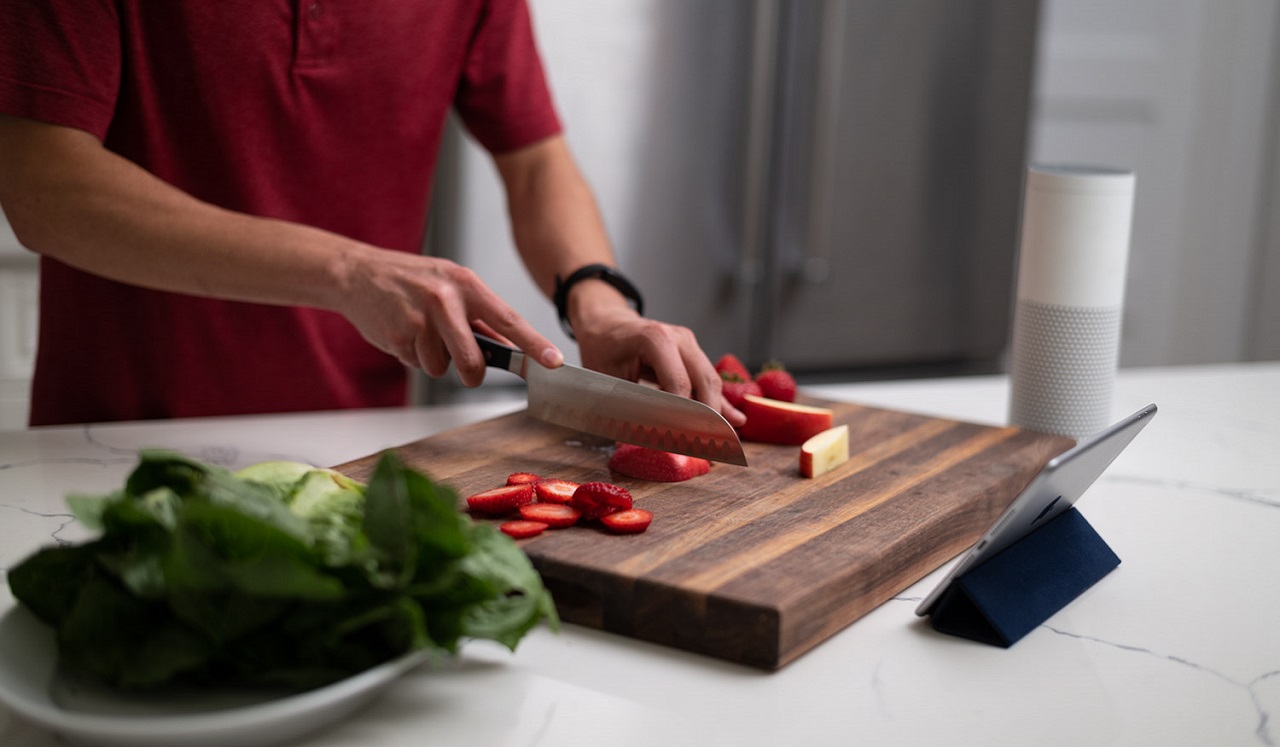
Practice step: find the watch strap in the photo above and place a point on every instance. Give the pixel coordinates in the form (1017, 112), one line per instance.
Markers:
(603, 272)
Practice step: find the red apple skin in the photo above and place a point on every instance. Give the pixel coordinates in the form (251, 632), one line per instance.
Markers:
(771, 421)
(817, 459)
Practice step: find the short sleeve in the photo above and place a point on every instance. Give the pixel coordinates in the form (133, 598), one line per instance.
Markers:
(503, 96)
(60, 62)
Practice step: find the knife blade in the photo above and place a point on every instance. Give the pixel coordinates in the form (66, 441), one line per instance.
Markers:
(614, 408)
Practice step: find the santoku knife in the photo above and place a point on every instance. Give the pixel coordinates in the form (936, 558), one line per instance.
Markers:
(615, 408)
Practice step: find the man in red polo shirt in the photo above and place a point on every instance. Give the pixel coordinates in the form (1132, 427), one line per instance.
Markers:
(229, 199)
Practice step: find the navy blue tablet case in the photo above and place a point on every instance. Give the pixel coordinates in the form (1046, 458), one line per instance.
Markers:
(1017, 589)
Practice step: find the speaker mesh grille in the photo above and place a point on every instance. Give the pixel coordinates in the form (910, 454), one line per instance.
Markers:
(1063, 367)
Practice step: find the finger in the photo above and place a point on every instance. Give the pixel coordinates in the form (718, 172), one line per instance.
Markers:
(663, 354)
(507, 324)
(449, 321)
(460, 341)
(707, 384)
(735, 417)
(709, 387)
(433, 356)
(481, 326)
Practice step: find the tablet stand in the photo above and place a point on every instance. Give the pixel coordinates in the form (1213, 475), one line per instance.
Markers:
(1008, 595)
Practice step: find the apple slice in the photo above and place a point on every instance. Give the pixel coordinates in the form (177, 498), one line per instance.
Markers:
(772, 421)
(825, 451)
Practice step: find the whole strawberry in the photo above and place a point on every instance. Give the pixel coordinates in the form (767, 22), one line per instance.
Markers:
(730, 365)
(735, 388)
(776, 383)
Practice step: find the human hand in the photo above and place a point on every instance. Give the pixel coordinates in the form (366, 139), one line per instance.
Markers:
(423, 310)
(622, 343)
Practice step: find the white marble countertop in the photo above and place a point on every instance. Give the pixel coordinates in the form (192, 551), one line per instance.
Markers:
(1179, 645)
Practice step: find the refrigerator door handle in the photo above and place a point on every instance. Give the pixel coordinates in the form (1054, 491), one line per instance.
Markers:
(762, 86)
(813, 267)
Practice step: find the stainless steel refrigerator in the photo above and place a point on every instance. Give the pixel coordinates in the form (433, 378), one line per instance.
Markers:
(832, 184)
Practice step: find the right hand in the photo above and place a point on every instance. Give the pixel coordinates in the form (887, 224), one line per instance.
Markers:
(69, 198)
(423, 310)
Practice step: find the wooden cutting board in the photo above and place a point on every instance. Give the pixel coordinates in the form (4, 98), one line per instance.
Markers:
(754, 564)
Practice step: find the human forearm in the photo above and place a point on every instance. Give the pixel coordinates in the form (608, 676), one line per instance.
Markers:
(69, 198)
(558, 228)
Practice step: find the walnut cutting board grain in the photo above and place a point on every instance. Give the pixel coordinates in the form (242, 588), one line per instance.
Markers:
(755, 564)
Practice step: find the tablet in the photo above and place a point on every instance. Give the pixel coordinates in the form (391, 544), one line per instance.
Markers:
(1057, 486)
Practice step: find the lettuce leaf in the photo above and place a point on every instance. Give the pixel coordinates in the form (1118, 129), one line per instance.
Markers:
(279, 574)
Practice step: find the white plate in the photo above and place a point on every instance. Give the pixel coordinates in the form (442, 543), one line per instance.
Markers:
(32, 686)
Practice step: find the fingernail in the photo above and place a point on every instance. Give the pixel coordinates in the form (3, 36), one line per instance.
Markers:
(552, 357)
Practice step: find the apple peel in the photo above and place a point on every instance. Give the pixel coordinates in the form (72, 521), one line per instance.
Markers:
(776, 422)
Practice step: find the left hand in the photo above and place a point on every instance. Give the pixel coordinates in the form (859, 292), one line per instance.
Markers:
(558, 229)
(622, 343)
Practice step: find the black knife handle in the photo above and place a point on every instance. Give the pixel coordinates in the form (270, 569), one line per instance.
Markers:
(496, 354)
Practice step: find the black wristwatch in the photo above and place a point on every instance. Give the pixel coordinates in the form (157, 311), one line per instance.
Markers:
(597, 272)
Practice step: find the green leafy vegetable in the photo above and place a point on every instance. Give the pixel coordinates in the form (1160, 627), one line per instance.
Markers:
(278, 574)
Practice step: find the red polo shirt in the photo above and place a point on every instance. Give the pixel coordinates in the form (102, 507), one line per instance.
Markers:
(323, 112)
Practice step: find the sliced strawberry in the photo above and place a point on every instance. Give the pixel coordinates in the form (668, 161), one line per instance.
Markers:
(554, 515)
(596, 499)
(729, 364)
(735, 388)
(631, 521)
(522, 478)
(555, 491)
(776, 383)
(501, 500)
(520, 529)
(655, 465)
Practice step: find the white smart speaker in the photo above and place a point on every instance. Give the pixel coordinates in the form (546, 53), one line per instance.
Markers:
(1072, 263)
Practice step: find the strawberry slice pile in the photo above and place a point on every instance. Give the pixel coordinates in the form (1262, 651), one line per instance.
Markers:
(597, 499)
(550, 503)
